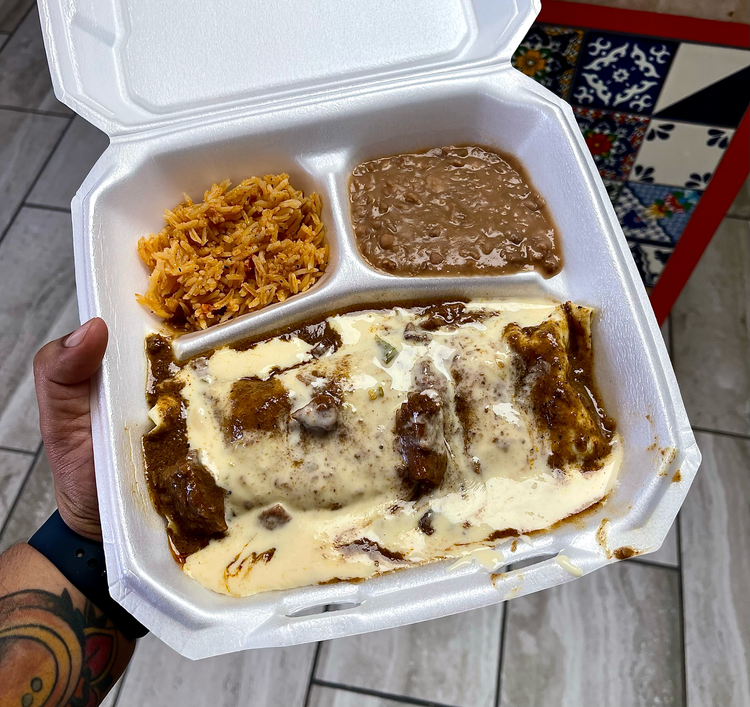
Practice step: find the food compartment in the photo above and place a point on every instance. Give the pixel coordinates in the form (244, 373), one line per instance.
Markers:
(318, 144)
(451, 210)
(508, 114)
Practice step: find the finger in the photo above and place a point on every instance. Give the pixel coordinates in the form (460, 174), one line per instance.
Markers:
(62, 371)
(74, 358)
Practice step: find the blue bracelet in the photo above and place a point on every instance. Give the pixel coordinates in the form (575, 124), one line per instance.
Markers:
(81, 562)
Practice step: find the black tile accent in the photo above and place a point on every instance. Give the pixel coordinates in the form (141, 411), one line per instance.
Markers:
(722, 104)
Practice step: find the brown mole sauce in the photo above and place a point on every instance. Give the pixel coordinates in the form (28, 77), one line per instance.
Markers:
(256, 405)
(564, 399)
(451, 210)
(181, 489)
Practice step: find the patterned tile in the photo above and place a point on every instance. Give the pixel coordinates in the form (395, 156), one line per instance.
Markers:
(613, 189)
(653, 213)
(612, 138)
(680, 154)
(706, 84)
(621, 72)
(548, 55)
(650, 260)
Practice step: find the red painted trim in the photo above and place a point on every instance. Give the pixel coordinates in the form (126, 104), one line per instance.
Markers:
(715, 202)
(688, 29)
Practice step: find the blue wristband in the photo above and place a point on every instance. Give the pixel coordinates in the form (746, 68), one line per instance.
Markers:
(81, 562)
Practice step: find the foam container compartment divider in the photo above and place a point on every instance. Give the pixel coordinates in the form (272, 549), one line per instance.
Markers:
(211, 92)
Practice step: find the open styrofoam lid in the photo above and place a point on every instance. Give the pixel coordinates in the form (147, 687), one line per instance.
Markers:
(130, 65)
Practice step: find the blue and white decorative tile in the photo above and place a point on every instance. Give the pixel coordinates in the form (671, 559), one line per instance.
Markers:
(650, 260)
(680, 154)
(549, 55)
(621, 72)
(654, 214)
(613, 189)
(612, 138)
(706, 84)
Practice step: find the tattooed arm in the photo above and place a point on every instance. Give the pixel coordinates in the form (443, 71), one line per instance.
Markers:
(56, 647)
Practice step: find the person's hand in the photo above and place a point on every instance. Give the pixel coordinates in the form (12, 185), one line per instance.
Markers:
(62, 373)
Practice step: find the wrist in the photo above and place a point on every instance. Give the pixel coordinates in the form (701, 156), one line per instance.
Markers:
(81, 561)
(82, 519)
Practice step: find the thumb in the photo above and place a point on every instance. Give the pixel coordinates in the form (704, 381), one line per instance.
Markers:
(72, 359)
(62, 373)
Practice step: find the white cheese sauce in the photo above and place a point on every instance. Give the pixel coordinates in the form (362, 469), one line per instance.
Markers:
(351, 515)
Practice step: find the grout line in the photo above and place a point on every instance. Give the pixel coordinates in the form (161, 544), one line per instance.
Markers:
(313, 668)
(681, 604)
(501, 657)
(721, 433)
(36, 179)
(737, 217)
(13, 506)
(123, 677)
(44, 207)
(20, 22)
(657, 565)
(376, 693)
(35, 111)
(670, 328)
(16, 450)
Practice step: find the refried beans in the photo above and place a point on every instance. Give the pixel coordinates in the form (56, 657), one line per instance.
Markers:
(451, 210)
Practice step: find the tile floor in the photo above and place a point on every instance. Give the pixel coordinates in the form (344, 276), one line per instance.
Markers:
(670, 628)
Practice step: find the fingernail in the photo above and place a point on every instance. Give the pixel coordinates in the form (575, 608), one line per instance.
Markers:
(76, 337)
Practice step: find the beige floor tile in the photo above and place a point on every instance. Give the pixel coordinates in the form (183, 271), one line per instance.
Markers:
(330, 697)
(263, 678)
(19, 419)
(12, 12)
(666, 335)
(715, 523)
(13, 469)
(24, 74)
(726, 10)
(741, 206)
(36, 283)
(711, 333)
(26, 141)
(34, 506)
(451, 660)
(69, 165)
(609, 639)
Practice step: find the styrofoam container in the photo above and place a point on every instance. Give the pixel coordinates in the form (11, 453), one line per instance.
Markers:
(224, 89)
